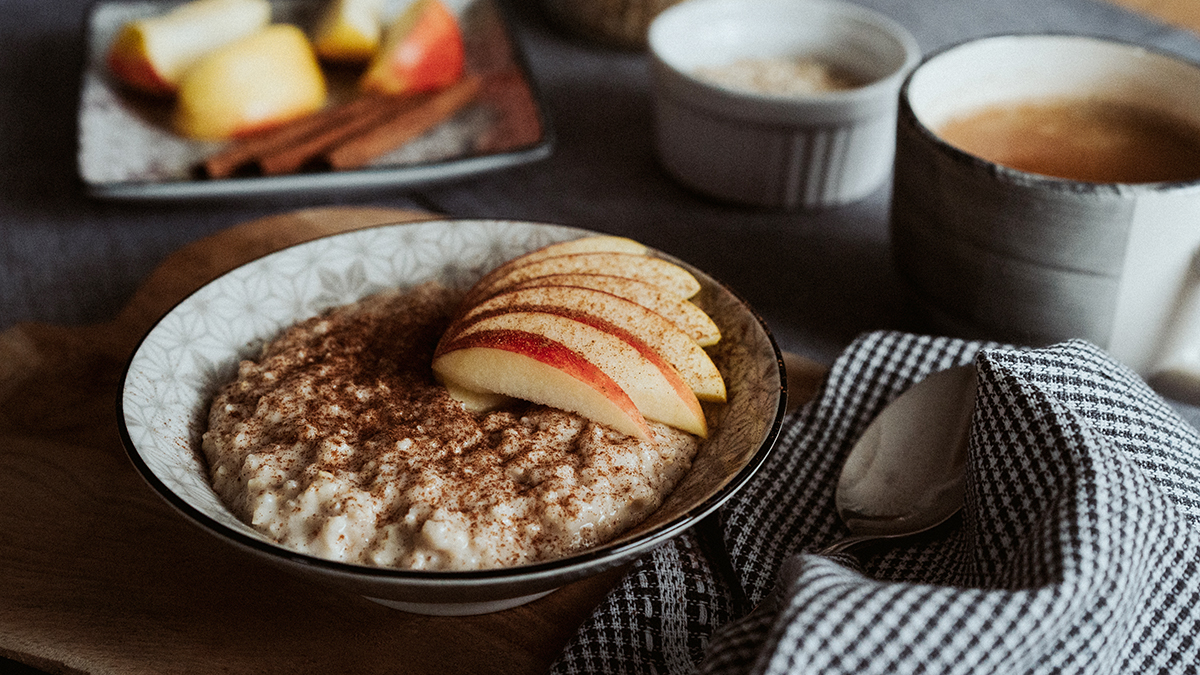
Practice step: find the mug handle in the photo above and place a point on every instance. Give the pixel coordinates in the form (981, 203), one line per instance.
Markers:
(1176, 373)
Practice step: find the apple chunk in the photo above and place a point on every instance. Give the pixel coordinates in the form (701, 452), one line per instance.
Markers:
(534, 368)
(683, 313)
(258, 82)
(668, 276)
(349, 31)
(151, 54)
(653, 385)
(422, 51)
(601, 309)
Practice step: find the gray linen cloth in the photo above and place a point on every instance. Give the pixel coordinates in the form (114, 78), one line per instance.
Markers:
(1078, 550)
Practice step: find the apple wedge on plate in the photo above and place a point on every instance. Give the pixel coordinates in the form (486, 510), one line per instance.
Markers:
(224, 94)
(151, 54)
(548, 327)
(349, 31)
(422, 50)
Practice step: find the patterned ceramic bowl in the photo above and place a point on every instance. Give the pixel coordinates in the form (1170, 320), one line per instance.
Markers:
(195, 348)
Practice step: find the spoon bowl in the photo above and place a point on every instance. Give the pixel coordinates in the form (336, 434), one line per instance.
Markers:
(907, 472)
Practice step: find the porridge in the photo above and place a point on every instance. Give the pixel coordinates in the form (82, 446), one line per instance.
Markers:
(779, 76)
(338, 442)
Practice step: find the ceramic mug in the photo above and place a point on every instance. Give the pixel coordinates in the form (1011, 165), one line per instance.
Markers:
(1009, 254)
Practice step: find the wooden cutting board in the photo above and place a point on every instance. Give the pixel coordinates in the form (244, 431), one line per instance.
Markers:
(100, 575)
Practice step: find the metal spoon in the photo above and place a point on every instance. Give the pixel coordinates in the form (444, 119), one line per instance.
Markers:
(906, 474)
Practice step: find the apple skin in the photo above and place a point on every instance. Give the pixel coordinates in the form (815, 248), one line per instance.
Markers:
(151, 54)
(250, 85)
(422, 51)
(683, 313)
(535, 368)
(654, 386)
(349, 31)
(668, 276)
(597, 299)
(584, 304)
(594, 244)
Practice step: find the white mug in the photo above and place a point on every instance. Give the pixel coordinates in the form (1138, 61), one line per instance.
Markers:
(992, 251)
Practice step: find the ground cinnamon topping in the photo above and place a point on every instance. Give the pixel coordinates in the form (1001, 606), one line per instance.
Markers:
(339, 442)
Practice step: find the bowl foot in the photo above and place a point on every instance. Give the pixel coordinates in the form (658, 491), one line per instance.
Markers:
(459, 608)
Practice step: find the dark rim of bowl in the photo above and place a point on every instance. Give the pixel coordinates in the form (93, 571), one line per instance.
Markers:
(579, 561)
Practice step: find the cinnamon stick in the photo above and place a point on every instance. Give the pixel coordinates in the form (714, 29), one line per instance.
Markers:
(402, 126)
(292, 157)
(247, 150)
(345, 136)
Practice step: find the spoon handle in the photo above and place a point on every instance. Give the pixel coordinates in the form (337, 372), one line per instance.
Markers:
(846, 543)
(712, 540)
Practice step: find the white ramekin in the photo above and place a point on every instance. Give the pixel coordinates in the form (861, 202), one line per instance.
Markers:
(807, 151)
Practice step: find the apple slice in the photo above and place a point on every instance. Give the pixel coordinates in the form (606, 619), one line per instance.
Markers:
(422, 51)
(534, 368)
(683, 313)
(582, 304)
(668, 276)
(151, 54)
(349, 31)
(250, 85)
(653, 385)
(475, 401)
(593, 244)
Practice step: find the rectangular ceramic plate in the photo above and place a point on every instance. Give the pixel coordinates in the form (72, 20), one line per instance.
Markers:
(128, 151)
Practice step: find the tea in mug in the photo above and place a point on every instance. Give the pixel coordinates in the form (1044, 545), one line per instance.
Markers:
(1081, 139)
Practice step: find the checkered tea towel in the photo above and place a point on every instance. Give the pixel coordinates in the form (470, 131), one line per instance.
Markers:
(1078, 550)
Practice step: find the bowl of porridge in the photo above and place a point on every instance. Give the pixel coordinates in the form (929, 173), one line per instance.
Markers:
(289, 408)
(779, 103)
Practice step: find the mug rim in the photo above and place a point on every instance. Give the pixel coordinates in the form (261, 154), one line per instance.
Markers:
(908, 116)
